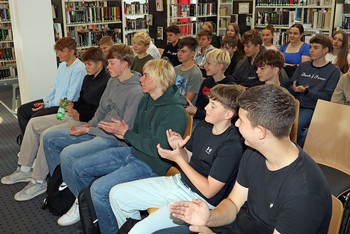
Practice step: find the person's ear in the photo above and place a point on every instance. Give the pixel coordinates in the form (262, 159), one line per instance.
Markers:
(262, 132)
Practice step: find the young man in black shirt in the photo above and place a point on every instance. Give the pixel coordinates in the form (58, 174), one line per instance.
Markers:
(173, 38)
(279, 188)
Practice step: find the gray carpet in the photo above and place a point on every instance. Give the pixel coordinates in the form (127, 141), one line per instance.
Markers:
(20, 217)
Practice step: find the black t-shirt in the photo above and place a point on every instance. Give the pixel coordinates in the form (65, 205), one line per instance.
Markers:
(215, 155)
(170, 52)
(202, 99)
(294, 199)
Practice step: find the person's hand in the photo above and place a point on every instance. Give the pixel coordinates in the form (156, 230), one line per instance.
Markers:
(71, 111)
(201, 229)
(38, 106)
(83, 129)
(174, 155)
(175, 139)
(299, 88)
(115, 127)
(191, 109)
(195, 213)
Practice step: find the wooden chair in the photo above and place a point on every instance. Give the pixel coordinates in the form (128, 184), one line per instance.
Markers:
(337, 214)
(161, 50)
(327, 142)
(294, 131)
(173, 170)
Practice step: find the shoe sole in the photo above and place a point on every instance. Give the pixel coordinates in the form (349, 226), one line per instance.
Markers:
(15, 182)
(31, 197)
(68, 223)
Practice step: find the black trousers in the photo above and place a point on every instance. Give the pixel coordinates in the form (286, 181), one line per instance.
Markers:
(25, 113)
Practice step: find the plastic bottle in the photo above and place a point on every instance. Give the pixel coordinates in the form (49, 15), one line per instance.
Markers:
(62, 109)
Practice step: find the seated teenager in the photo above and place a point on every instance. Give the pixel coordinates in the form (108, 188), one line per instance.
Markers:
(187, 72)
(105, 43)
(208, 160)
(279, 189)
(341, 93)
(161, 108)
(77, 114)
(230, 44)
(173, 37)
(313, 80)
(204, 38)
(67, 84)
(268, 66)
(141, 41)
(216, 63)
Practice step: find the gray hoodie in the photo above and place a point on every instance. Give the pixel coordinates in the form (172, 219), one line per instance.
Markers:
(119, 101)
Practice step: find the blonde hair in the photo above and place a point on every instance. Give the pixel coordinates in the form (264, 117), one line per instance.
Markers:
(162, 71)
(142, 37)
(219, 56)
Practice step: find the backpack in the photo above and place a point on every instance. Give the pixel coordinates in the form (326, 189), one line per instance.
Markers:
(87, 213)
(59, 198)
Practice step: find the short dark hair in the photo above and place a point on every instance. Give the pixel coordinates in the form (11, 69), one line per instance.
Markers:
(230, 41)
(227, 95)
(172, 29)
(323, 40)
(253, 36)
(122, 52)
(271, 107)
(66, 42)
(273, 58)
(93, 54)
(189, 42)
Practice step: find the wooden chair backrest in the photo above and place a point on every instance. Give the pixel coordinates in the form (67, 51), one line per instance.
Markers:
(337, 214)
(328, 137)
(188, 130)
(294, 132)
(161, 50)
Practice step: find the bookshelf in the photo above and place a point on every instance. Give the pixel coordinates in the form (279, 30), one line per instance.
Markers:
(346, 16)
(8, 67)
(317, 16)
(225, 12)
(135, 18)
(88, 20)
(190, 16)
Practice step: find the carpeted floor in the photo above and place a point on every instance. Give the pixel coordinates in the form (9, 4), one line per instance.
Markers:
(20, 217)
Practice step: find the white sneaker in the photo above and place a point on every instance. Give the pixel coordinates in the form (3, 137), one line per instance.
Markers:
(71, 217)
(17, 176)
(31, 190)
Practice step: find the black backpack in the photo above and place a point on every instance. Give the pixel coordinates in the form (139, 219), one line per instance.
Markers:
(59, 198)
(87, 213)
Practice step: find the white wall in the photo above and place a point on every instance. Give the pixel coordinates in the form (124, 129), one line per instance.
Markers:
(33, 36)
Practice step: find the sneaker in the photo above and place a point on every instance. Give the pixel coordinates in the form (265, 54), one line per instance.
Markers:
(71, 217)
(17, 176)
(32, 190)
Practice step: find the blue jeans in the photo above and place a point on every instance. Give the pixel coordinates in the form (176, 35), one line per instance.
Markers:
(116, 165)
(305, 116)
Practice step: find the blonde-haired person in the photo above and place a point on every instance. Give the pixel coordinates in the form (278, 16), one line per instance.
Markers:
(216, 63)
(340, 51)
(141, 41)
(161, 108)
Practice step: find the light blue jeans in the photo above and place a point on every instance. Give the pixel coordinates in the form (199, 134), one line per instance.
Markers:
(128, 198)
(115, 165)
(55, 143)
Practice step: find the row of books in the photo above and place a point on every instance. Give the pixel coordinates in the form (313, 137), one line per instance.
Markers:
(313, 18)
(293, 3)
(135, 8)
(5, 34)
(8, 72)
(135, 24)
(91, 37)
(7, 53)
(188, 10)
(4, 12)
(190, 28)
(93, 15)
(224, 11)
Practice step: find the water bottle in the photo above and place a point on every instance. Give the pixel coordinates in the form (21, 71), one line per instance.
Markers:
(62, 109)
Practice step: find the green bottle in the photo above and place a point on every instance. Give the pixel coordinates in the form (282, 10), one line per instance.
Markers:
(62, 109)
